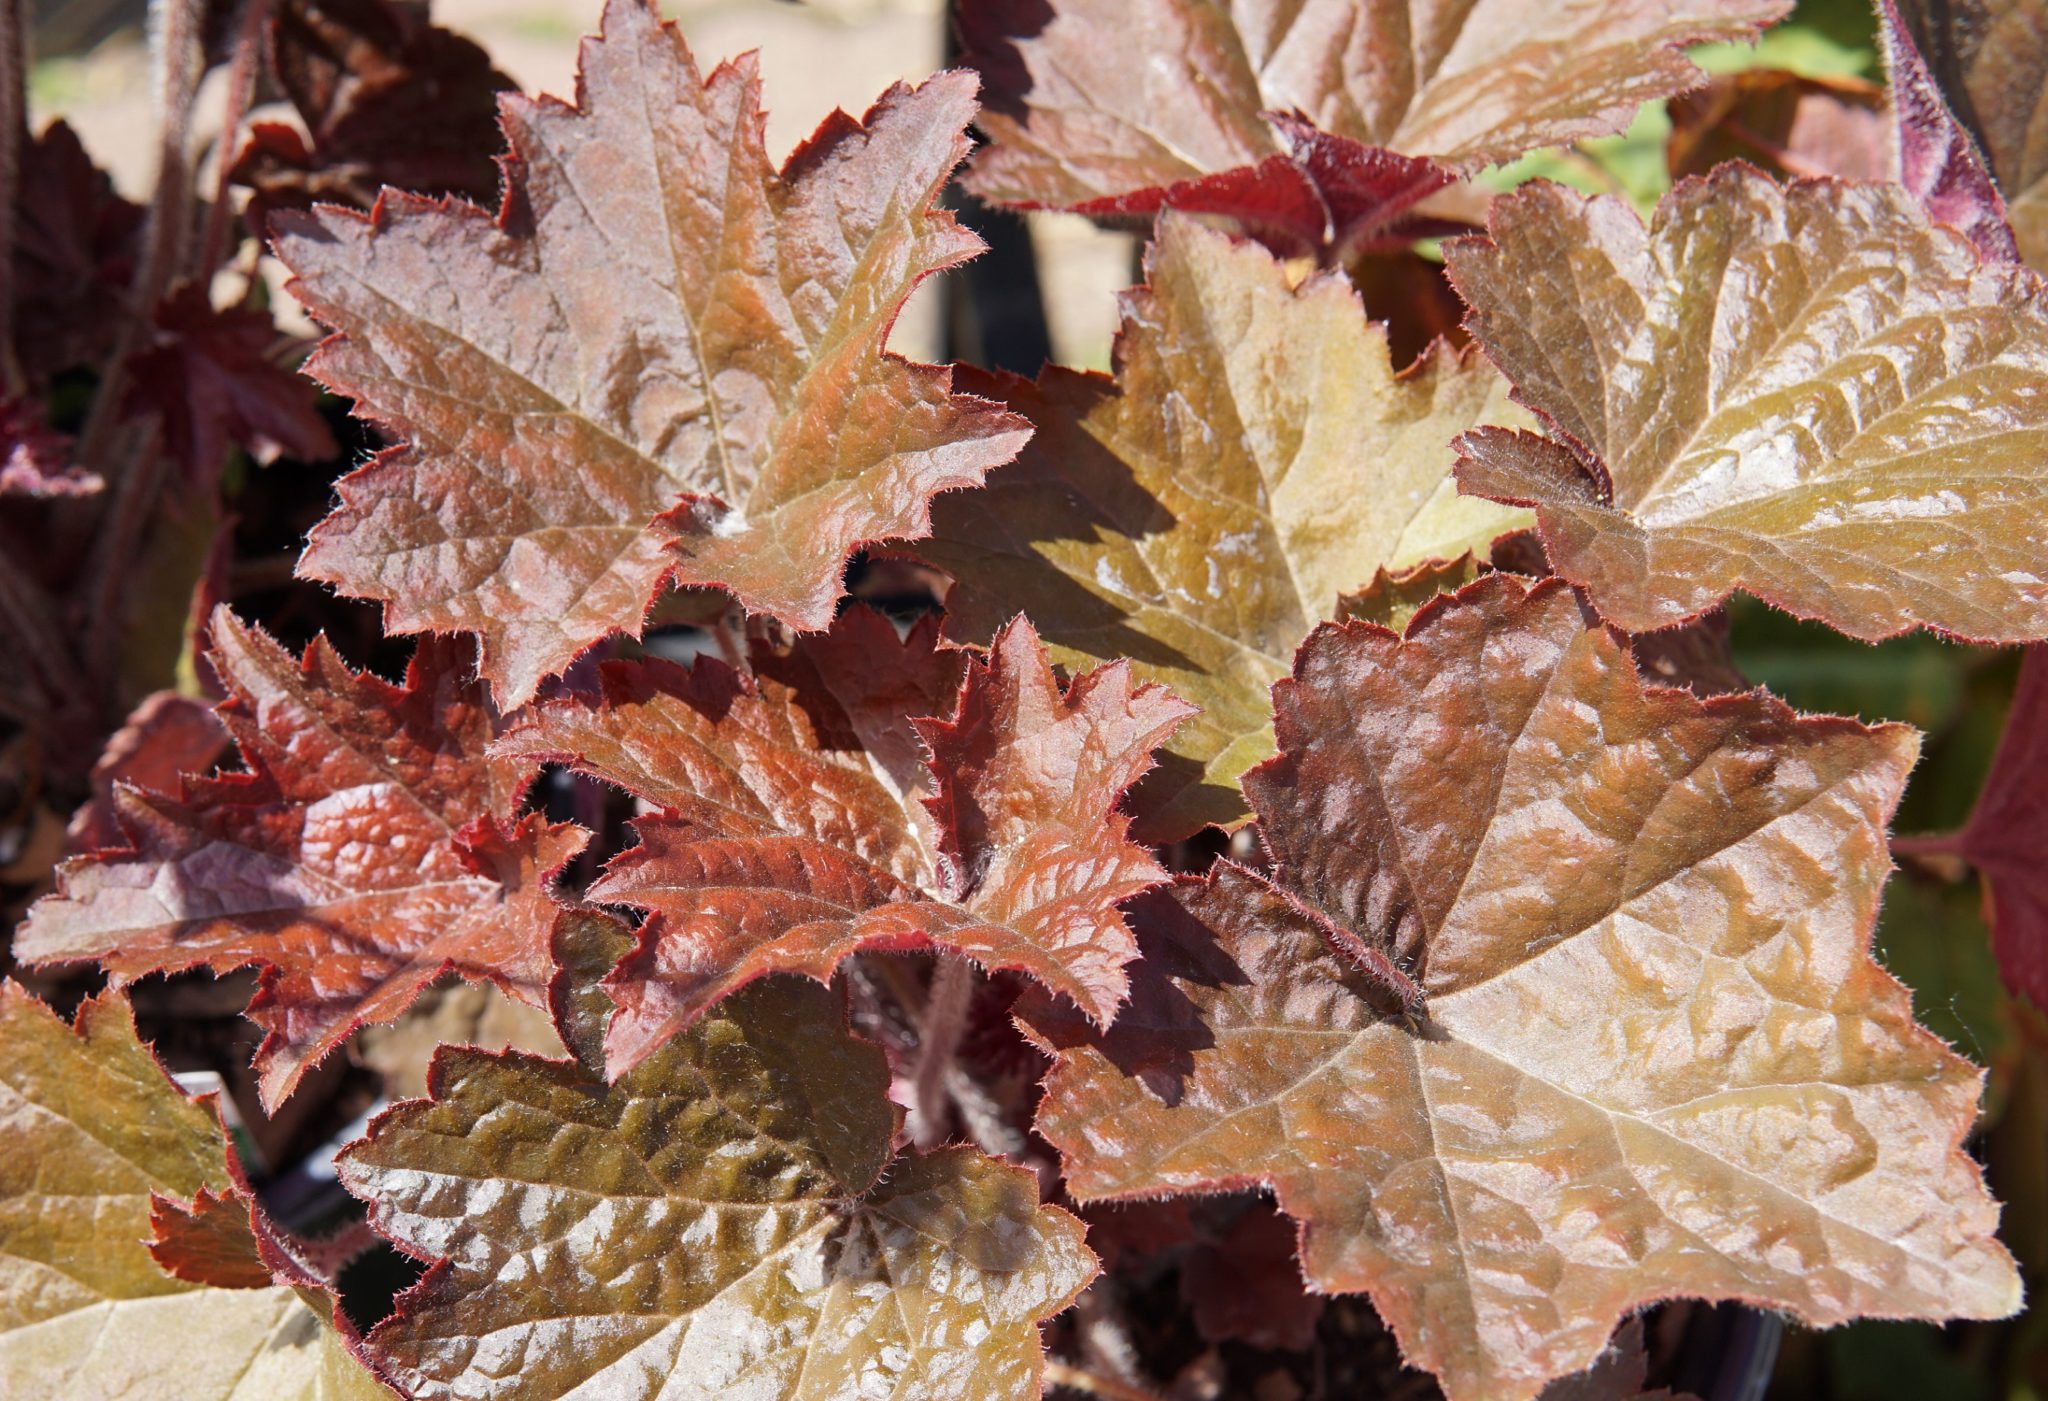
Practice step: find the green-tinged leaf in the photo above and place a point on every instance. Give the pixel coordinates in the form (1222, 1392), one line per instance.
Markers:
(716, 1223)
(94, 1128)
(1805, 392)
(1255, 457)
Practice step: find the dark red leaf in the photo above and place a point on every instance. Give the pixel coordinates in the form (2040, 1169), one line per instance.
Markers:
(1245, 1284)
(2008, 832)
(386, 98)
(167, 737)
(773, 854)
(213, 378)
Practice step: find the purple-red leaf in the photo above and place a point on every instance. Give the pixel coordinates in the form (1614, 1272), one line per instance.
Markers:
(212, 378)
(664, 360)
(1938, 160)
(2008, 832)
(386, 98)
(369, 848)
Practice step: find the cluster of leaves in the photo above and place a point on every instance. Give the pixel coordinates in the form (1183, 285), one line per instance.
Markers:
(1313, 776)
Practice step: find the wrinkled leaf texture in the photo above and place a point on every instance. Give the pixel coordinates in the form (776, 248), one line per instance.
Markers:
(97, 1136)
(368, 849)
(767, 853)
(722, 1221)
(1653, 1055)
(1255, 457)
(663, 360)
(1111, 104)
(1803, 391)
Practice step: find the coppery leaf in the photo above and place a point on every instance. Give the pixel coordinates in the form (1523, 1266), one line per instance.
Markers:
(95, 1131)
(369, 848)
(1806, 392)
(715, 1222)
(1255, 457)
(1101, 100)
(663, 361)
(1653, 1058)
(771, 854)
(207, 1240)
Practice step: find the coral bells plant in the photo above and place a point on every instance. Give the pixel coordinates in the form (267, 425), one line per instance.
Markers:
(1312, 863)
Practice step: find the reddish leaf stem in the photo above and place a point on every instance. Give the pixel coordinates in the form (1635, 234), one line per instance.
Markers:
(1930, 844)
(241, 86)
(136, 473)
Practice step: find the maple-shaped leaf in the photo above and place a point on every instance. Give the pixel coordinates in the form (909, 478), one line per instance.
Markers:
(768, 853)
(212, 378)
(1938, 160)
(1805, 392)
(97, 1135)
(386, 98)
(716, 1221)
(1990, 58)
(1254, 457)
(368, 849)
(1102, 100)
(1559, 1000)
(75, 245)
(663, 360)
